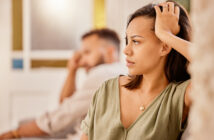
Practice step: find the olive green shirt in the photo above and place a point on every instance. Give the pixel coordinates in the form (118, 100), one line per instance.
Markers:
(161, 120)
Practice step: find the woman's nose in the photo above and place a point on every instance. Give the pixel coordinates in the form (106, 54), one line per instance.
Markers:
(127, 50)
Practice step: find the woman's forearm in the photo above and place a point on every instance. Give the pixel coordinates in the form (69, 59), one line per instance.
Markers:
(180, 45)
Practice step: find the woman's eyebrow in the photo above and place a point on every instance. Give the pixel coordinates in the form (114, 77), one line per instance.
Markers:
(136, 36)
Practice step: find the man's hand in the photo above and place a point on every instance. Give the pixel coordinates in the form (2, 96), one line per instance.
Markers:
(69, 86)
(29, 129)
(73, 63)
(167, 19)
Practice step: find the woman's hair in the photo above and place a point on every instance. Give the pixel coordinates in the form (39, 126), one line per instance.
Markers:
(176, 64)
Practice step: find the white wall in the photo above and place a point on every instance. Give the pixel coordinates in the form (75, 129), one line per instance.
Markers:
(28, 93)
(5, 46)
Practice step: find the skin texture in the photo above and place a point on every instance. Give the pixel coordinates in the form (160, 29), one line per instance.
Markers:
(94, 51)
(143, 50)
(146, 53)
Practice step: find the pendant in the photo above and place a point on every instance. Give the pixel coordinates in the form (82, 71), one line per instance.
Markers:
(142, 108)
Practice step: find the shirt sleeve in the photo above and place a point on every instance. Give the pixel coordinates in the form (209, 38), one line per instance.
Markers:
(91, 111)
(76, 106)
(67, 113)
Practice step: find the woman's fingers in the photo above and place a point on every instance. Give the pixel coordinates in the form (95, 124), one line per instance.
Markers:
(171, 7)
(177, 11)
(157, 10)
(165, 7)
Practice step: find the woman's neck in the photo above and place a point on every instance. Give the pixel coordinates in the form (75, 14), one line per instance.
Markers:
(154, 82)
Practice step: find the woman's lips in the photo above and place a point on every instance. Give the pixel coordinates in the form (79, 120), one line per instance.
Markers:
(129, 63)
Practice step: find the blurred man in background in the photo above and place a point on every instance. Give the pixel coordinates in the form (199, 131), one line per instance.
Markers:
(99, 55)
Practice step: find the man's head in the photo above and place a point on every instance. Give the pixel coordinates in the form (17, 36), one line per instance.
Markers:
(98, 47)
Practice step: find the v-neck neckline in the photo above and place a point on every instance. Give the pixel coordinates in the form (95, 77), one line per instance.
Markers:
(140, 116)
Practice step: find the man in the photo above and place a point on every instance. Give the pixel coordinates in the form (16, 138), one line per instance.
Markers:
(99, 55)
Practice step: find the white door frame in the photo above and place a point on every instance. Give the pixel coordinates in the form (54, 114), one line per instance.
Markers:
(5, 48)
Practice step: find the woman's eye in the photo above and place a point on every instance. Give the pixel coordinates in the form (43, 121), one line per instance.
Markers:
(135, 42)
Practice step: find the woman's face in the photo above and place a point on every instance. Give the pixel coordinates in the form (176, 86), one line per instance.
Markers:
(143, 47)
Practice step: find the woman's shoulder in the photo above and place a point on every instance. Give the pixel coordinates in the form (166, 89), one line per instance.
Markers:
(107, 93)
(111, 82)
(108, 86)
(116, 81)
(181, 85)
(178, 89)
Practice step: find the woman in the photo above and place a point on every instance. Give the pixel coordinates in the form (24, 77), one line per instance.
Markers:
(152, 103)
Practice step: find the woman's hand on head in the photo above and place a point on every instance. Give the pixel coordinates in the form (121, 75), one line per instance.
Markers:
(167, 27)
(167, 19)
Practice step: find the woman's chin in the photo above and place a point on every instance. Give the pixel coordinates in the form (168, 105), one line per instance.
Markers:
(132, 72)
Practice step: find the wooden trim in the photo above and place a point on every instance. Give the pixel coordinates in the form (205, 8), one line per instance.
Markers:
(17, 25)
(48, 63)
(99, 14)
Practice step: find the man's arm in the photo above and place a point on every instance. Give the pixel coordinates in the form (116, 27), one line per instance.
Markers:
(29, 129)
(84, 137)
(69, 85)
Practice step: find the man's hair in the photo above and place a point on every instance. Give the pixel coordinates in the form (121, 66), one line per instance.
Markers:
(106, 34)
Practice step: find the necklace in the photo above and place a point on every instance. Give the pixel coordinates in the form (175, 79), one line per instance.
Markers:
(142, 108)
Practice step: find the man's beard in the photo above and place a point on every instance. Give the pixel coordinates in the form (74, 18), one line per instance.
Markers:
(99, 62)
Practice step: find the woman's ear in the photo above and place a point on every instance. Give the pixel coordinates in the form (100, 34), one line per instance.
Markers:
(165, 49)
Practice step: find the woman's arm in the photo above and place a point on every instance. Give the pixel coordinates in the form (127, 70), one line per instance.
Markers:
(84, 137)
(180, 45)
(166, 28)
